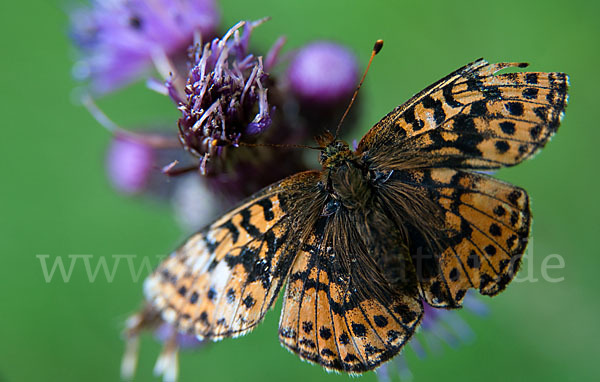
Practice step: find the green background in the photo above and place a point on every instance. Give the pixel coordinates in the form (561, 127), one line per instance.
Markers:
(56, 200)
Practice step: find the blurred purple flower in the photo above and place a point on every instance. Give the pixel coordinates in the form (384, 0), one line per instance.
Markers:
(438, 326)
(322, 77)
(134, 160)
(225, 99)
(129, 164)
(119, 39)
(323, 73)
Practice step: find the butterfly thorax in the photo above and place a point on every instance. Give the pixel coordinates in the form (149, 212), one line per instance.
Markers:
(343, 176)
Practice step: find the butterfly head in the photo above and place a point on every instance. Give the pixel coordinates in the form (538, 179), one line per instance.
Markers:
(333, 150)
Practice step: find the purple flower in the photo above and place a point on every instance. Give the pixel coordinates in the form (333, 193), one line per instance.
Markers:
(120, 39)
(438, 326)
(323, 73)
(225, 99)
(322, 77)
(134, 161)
(129, 164)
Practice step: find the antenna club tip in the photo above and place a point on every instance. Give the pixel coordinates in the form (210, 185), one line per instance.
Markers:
(378, 45)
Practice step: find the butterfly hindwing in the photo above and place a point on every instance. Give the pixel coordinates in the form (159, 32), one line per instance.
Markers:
(335, 312)
(482, 236)
(473, 119)
(222, 281)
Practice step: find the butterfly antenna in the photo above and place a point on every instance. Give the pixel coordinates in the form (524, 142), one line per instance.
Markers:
(376, 48)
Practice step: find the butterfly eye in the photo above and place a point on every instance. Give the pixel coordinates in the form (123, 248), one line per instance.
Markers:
(322, 157)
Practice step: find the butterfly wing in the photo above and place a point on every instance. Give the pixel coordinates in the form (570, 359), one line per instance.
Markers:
(474, 228)
(222, 281)
(472, 118)
(483, 228)
(339, 309)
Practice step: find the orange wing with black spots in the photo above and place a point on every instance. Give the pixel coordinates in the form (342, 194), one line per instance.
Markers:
(336, 315)
(482, 235)
(473, 118)
(222, 281)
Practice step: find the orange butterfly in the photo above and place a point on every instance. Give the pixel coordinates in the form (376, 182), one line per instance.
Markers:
(361, 243)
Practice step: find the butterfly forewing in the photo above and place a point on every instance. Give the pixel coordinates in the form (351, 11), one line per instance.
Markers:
(223, 279)
(473, 118)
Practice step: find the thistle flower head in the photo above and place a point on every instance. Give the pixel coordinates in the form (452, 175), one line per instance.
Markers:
(120, 38)
(225, 98)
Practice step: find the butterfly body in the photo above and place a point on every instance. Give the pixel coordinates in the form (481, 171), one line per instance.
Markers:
(362, 244)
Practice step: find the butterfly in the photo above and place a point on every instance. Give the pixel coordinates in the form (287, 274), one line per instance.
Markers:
(405, 219)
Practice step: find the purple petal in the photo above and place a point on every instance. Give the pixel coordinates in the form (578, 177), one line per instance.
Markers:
(185, 341)
(273, 53)
(476, 305)
(459, 327)
(259, 126)
(417, 347)
(383, 373)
